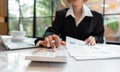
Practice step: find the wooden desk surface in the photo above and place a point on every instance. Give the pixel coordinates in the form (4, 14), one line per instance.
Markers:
(14, 61)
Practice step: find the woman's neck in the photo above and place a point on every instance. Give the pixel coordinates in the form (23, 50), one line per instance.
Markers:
(77, 11)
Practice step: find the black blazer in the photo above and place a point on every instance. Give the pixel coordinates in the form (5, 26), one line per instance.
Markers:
(65, 26)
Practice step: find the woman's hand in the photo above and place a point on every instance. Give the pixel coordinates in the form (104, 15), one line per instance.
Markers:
(52, 41)
(90, 41)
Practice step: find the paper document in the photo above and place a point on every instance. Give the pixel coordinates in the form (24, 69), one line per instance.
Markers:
(80, 51)
(9, 44)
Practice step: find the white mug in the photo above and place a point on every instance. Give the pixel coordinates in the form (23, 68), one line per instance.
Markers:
(18, 35)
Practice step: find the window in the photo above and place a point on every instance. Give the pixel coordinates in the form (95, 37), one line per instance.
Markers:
(20, 15)
(43, 15)
(111, 13)
(33, 16)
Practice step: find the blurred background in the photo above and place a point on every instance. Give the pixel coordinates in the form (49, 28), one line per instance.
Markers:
(34, 16)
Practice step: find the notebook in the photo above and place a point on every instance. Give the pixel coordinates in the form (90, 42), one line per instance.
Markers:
(9, 44)
(47, 55)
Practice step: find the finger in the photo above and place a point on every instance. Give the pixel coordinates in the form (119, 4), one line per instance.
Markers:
(87, 40)
(46, 42)
(57, 40)
(63, 43)
(53, 46)
(92, 42)
(39, 43)
(50, 40)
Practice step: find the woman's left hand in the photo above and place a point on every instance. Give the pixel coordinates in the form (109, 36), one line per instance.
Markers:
(90, 41)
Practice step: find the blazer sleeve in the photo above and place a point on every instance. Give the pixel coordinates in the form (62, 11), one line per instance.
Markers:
(99, 29)
(56, 25)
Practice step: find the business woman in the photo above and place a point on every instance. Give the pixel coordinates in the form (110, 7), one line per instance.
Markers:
(77, 21)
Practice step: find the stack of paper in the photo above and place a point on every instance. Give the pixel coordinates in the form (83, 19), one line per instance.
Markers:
(80, 51)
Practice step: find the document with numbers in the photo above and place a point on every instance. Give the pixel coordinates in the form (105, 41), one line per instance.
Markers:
(80, 51)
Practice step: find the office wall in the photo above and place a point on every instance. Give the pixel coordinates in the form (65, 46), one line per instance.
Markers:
(3, 14)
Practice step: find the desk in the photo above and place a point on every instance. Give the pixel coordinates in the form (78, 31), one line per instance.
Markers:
(13, 61)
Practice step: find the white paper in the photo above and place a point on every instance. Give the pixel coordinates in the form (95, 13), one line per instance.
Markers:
(9, 44)
(83, 51)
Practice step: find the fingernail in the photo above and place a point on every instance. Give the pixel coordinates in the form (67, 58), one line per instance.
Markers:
(54, 49)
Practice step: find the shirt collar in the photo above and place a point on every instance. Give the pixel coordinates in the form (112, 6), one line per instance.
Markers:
(85, 12)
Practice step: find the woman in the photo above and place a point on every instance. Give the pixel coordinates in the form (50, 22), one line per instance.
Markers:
(77, 22)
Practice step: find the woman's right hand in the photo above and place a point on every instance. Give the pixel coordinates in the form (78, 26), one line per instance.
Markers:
(52, 41)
